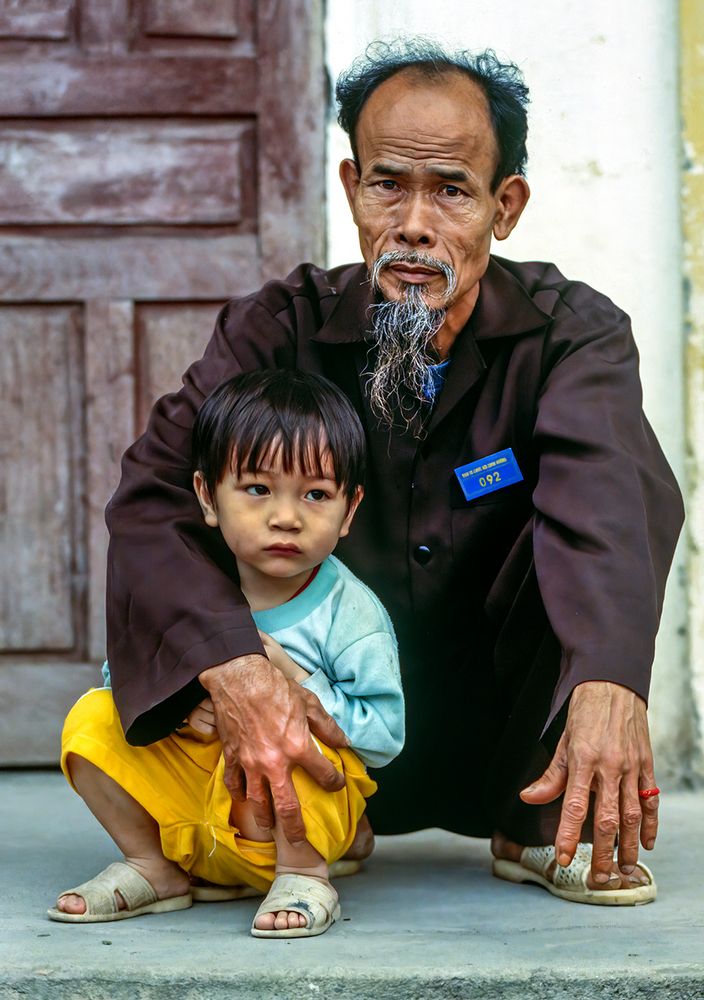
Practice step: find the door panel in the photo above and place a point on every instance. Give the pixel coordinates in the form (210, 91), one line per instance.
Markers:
(156, 158)
(39, 388)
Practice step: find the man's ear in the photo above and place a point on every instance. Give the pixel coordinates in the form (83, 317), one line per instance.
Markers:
(206, 504)
(349, 175)
(351, 511)
(511, 198)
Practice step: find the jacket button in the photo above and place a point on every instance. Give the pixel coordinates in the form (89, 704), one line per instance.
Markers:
(422, 554)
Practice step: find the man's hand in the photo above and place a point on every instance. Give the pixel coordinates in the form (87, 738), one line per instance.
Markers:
(265, 723)
(605, 748)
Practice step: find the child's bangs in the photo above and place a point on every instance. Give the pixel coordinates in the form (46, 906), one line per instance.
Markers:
(270, 443)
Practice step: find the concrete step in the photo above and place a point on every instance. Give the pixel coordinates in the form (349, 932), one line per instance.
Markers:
(423, 920)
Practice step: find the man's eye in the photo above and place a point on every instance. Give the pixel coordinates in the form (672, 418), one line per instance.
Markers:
(388, 185)
(452, 191)
(257, 490)
(316, 495)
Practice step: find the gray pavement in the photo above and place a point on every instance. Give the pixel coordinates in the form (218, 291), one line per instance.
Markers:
(423, 920)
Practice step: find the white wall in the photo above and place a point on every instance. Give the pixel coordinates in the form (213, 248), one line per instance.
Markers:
(604, 171)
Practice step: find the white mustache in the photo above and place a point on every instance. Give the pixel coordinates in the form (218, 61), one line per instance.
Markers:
(390, 257)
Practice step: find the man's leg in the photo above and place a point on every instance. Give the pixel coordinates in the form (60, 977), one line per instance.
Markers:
(523, 754)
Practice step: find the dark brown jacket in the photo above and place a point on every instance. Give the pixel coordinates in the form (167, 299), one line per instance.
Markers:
(560, 577)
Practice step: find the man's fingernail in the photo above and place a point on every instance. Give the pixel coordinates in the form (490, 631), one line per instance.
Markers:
(650, 845)
(627, 869)
(601, 877)
(529, 788)
(298, 843)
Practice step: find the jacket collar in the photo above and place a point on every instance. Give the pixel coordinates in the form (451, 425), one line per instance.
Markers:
(504, 308)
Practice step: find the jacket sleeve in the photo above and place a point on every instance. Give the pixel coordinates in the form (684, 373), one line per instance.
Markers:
(608, 509)
(364, 696)
(174, 607)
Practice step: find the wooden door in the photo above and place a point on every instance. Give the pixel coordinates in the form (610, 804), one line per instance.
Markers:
(156, 158)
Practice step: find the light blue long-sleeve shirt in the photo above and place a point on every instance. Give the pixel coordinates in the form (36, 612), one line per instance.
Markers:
(339, 632)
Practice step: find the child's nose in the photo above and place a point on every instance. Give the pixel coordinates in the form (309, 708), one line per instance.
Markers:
(285, 516)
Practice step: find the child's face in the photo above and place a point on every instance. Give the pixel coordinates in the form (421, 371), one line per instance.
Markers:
(279, 524)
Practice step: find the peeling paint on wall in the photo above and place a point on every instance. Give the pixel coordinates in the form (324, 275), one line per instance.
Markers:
(692, 35)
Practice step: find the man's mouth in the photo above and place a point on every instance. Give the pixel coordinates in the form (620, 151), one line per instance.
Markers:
(413, 274)
(283, 550)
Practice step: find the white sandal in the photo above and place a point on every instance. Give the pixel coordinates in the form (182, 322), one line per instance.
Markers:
(101, 903)
(571, 882)
(310, 897)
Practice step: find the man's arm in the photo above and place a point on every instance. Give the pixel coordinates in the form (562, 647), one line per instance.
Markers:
(608, 516)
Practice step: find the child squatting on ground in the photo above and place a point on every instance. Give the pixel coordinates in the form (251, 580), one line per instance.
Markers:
(279, 463)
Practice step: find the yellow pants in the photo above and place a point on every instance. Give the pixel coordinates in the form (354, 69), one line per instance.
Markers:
(179, 781)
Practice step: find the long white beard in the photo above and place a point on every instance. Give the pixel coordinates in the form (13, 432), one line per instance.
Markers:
(402, 332)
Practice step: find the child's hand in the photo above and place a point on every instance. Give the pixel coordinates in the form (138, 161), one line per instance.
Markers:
(202, 719)
(281, 660)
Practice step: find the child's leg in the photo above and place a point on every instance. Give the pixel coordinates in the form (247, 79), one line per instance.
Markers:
(299, 859)
(134, 831)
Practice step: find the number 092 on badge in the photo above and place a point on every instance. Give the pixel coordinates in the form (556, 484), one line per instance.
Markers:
(486, 475)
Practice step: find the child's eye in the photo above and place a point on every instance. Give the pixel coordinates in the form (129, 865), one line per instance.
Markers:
(316, 495)
(257, 490)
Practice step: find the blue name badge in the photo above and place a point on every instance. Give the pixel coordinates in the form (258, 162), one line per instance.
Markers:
(489, 474)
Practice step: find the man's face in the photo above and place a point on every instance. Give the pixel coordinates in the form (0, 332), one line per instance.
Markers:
(427, 156)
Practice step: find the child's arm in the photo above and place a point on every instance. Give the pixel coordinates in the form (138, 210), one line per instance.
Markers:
(281, 660)
(361, 690)
(365, 698)
(202, 719)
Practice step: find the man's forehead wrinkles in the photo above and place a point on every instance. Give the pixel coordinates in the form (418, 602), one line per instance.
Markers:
(426, 144)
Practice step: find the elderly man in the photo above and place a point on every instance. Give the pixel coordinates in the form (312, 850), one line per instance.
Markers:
(519, 520)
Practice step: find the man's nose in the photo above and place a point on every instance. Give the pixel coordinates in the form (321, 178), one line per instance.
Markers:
(415, 226)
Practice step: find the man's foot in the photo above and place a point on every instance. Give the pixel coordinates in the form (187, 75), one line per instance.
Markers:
(504, 849)
(363, 843)
(167, 880)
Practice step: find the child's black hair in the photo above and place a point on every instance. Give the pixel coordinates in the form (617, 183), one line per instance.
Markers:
(251, 416)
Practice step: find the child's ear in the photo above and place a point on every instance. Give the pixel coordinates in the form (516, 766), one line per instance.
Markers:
(351, 511)
(206, 504)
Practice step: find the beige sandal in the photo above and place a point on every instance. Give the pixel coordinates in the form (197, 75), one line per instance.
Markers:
(571, 882)
(101, 903)
(310, 897)
(211, 893)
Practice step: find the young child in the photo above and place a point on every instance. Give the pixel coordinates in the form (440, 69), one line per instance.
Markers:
(279, 463)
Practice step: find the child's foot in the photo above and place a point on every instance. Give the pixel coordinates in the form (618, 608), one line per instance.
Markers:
(167, 880)
(281, 920)
(297, 906)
